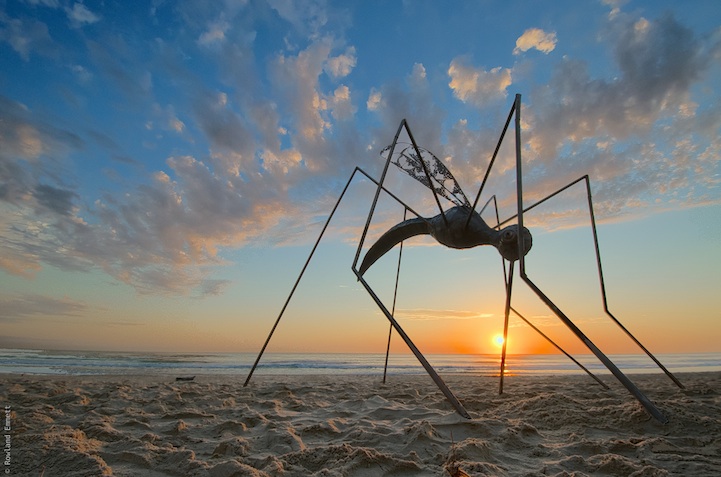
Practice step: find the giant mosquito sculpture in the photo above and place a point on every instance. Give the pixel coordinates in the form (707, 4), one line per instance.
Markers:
(461, 226)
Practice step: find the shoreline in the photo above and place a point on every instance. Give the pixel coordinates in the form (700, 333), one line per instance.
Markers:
(323, 425)
(91, 363)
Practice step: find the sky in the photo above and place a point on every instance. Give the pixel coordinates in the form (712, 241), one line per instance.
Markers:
(165, 168)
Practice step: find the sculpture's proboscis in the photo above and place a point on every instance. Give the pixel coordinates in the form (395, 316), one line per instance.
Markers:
(461, 227)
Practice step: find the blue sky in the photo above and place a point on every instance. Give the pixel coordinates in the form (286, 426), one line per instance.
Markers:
(165, 168)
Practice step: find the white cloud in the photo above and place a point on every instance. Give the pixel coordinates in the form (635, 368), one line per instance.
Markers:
(222, 99)
(658, 62)
(374, 101)
(296, 78)
(81, 73)
(176, 124)
(281, 162)
(477, 86)
(79, 15)
(168, 118)
(630, 132)
(277, 148)
(306, 16)
(215, 34)
(432, 314)
(26, 140)
(536, 38)
(45, 3)
(151, 238)
(615, 7)
(274, 152)
(27, 36)
(341, 106)
(341, 65)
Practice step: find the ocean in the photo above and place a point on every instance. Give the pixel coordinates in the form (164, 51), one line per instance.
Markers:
(24, 361)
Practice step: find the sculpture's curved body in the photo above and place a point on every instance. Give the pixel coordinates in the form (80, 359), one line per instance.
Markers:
(452, 229)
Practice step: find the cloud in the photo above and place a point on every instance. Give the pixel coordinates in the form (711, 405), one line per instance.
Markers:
(630, 132)
(341, 65)
(431, 314)
(268, 155)
(412, 99)
(213, 287)
(536, 38)
(340, 104)
(477, 86)
(81, 73)
(59, 201)
(115, 59)
(615, 6)
(146, 240)
(658, 62)
(27, 36)
(638, 132)
(80, 15)
(215, 34)
(45, 3)
(26, 143)
(164, 235)
(308, 17)
(16, 307)
(225, 129)
(168, 119)
(296, 78)
(374, 102)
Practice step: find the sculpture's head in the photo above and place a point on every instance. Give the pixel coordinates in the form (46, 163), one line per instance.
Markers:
(507, 243)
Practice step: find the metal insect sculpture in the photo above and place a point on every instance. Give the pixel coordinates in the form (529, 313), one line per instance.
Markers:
(461, 227)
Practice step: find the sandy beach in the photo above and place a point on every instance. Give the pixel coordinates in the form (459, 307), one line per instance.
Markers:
(356, 426)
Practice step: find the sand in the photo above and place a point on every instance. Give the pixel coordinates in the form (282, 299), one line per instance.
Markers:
(356, 426)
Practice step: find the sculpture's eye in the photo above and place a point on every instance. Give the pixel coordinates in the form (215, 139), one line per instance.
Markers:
(508, 235)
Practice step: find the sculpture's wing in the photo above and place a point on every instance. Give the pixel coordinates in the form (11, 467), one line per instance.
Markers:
(441, 179)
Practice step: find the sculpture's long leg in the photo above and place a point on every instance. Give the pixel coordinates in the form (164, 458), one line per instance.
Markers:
(650, 407)
(507, 276)
(509, 289)
(429, 369)
(426, 365)
(630, 386)
(546, 337)
(516, 105)
(393, 308)
(292, 291)
(600, 268)
(559, 348)
(603, 291)
(388, 351)
(394, 324)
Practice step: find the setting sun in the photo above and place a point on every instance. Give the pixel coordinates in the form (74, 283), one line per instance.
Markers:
(498, 340)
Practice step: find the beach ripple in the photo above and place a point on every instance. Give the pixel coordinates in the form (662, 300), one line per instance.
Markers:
(295, 426)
